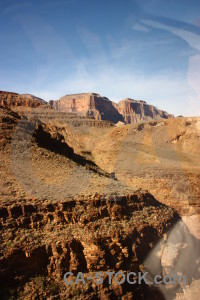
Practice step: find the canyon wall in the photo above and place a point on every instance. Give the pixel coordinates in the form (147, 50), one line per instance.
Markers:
(101, 108)
(90, 105)
(10, 100)
(134, 111)
(81, 234)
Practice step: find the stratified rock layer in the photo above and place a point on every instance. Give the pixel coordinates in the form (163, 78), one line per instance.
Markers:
(10, 100)
(80, 234)
(134, 111)
(101, 108)
(91, 105)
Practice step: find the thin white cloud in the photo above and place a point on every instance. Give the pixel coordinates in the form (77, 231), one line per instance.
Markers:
(191, 38)
(193, 74)
(193, 80)
(93, 44)
(118, 49)
(139, 27)
(47, 42)
(15, 7)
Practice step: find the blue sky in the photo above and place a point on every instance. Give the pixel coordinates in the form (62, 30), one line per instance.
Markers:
(142, 49)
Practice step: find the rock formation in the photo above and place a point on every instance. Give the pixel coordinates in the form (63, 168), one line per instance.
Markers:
(101, 108)
(88, 234)
(91, 105)
(9, 99)
(134, 111)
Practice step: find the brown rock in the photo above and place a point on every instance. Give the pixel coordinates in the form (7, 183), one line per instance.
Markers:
(101, 108)
(134, 111)
(9, 99)
(90, 105)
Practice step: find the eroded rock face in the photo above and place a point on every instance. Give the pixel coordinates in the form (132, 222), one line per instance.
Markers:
(134, 111)
(80, 234)
(8, 121)
(101, 108)
(91, 105)
(42, 238)
(10, 100)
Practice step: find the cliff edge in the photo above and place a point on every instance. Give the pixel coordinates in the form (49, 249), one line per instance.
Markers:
(101, 108)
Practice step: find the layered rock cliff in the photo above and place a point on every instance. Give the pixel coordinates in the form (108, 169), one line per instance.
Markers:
(91, 105)
(84, 234)
(101, 108)
(10, 100)
(134, 111)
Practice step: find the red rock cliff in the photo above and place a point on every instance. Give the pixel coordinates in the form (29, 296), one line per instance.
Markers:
(101, 108)
(9, 99)
(134, 111)
(91, 105)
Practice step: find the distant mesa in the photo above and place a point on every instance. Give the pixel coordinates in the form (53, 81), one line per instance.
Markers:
(90, 105)
(101, 108)
(10, 99)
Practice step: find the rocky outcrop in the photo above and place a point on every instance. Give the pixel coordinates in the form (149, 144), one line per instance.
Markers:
(101, 108)
(8, 121)
(90, 105)
(134, 111)
(40, 242)
(10, 100)
(50, 138)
